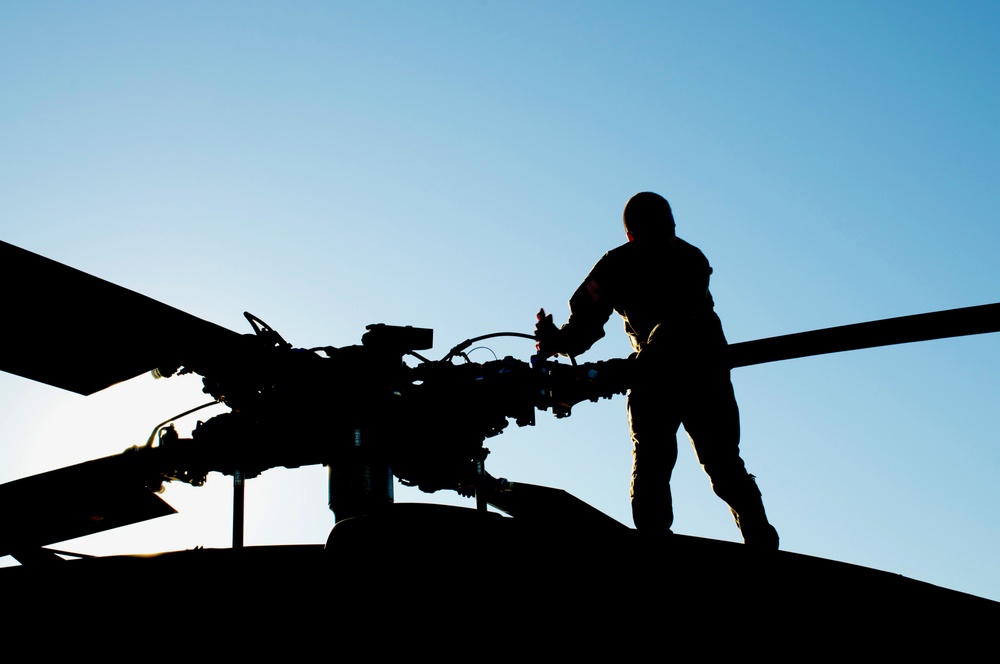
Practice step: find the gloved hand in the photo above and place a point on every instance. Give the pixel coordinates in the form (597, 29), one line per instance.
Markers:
(546, 335)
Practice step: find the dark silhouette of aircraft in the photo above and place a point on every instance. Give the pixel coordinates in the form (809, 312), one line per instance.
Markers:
(543, 571)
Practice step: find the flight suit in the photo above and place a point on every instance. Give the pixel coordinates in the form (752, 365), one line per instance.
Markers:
(661, 291)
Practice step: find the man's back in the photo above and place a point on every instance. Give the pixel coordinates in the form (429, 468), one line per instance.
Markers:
(648, 283)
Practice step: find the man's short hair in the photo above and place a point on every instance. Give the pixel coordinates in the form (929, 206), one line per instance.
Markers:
(647, 214)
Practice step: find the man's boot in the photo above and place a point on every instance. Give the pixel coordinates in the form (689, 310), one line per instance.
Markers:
(747, 506)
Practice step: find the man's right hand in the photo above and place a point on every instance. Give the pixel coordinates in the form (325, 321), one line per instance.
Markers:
(546, 335)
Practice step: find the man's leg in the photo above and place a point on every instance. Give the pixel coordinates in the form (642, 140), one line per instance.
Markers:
(712, 420)
(654, 453)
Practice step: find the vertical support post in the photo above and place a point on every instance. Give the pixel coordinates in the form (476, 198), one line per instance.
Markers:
(481, 503)
(360, 479)
(239, 486)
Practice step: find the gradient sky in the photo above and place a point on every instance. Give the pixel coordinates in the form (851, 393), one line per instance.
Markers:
(457, 165)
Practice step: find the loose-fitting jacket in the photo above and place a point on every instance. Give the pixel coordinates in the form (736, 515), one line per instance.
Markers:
(649, 284)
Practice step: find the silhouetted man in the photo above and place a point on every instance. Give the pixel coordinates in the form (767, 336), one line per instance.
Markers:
(658, 284)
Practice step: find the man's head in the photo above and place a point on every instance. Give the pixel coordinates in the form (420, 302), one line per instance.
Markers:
(648, 216)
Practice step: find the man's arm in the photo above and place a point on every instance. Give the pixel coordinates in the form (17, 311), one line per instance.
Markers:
(589, 311)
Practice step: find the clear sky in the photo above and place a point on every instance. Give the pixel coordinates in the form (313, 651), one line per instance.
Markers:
(457, 165)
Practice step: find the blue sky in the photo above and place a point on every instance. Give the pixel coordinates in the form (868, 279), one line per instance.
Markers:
(458, 165)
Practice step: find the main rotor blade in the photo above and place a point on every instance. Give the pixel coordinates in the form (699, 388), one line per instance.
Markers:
(981, 319)
(69, 329)
(79, 500)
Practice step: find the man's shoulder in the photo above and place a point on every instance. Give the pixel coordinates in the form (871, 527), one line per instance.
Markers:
(614, 262)
(689, 250)
(622, 252)
(684, 245)
(630, 250)
(629, 253)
